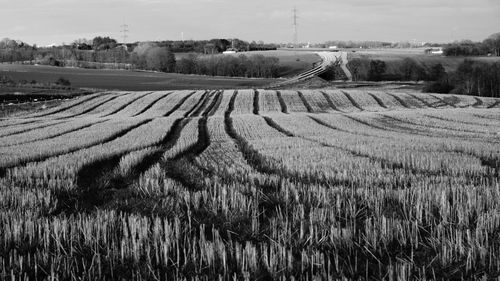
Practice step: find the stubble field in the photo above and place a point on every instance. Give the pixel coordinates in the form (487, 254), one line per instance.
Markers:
(252, 184)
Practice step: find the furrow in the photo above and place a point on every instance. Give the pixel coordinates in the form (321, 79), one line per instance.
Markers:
(271, 166)
(57, 135)
(69, 107)
(282, 102)
(378, 100)
(419, 99)
(497, 103)
(429, 125)
(354, 103)
(324, 124)
(304, 101)
(274, 125)
(182, 167)
(21, 123)
(401, 101)
(151, 104)
(179, 104)
(31, 129)
(214, 105)
(256, 102)
(103, 141)
(329, 100)
(384, 163)
(260, 162)
(443, 101)
(478, 103)
(90, 109)
(203, 105)
(125, 105)
(198, 104)
(99, 181)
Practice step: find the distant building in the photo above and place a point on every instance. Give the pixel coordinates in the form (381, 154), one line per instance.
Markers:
(230, 51)
(438, 51)
(434, 51)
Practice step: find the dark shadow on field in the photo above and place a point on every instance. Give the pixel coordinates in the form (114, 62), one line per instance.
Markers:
(100, 184)
(128, 80)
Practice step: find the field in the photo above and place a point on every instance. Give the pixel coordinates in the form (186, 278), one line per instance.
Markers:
(126, 80)
(394, 56)
(252, 185)
(291, 62)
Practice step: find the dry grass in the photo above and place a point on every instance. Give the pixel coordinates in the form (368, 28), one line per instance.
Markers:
(252, 184)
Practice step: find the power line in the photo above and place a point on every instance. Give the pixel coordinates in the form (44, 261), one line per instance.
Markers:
(124, 31)
(295, 29)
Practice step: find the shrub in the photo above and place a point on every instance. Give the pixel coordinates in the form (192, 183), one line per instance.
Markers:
(63, 82)
(377, 69)
(442, 87)
(224, 65)
(359, 68)
(411, 70)
(6, 80)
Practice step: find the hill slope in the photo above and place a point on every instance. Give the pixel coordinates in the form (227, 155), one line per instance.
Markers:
(252, 184)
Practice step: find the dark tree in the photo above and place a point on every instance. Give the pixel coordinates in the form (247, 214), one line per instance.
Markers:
(437, 72)
(63, 82)
(493, 44)
(103, 43)
(377, 70)
(411, 70)
(187, 65)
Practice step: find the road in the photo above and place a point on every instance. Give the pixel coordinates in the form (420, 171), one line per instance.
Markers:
(343, 65)
(328, 59)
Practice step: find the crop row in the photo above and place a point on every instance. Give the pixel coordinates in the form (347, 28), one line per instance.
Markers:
(158, 104)
(253, 184)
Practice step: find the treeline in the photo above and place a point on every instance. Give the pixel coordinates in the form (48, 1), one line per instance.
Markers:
(12, 50)
(408, 69)
(216, 46)
(108, 50)
(229, 65)
(100, 50)
(105, 52)
(471, 77)
(490, 46)
(372, 44)
(152, 56)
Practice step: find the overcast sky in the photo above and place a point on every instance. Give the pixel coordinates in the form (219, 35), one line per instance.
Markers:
(55, 21)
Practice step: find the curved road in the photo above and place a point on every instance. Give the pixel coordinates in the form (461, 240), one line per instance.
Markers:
(343, 65)
(328, 59)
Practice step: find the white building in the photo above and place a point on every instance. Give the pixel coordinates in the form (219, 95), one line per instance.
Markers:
(438, 51)
(230, 51)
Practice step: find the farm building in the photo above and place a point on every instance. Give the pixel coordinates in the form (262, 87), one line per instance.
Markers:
(230, 51)
(434, 51)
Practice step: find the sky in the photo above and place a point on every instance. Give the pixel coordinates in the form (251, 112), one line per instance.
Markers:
(45, 22)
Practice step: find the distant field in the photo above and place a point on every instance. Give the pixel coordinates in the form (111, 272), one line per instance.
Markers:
(292, 61)
(252, 185)
(396, 55)
(127, 80)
